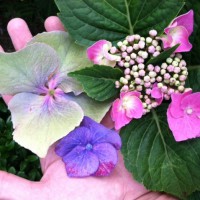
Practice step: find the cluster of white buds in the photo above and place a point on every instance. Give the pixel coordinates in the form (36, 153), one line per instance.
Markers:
(169, 77)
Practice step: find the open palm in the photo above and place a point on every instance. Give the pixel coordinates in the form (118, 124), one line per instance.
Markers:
(55, 184)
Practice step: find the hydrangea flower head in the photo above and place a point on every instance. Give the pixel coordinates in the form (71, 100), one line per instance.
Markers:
(183, 115)
(99, 54)
(44, 107)
(128, 107)
(178, 32)
(90, 149)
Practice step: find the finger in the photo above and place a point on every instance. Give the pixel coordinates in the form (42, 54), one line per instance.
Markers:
(53, 23)
(19, 33)
(16, 188)
(6, 98)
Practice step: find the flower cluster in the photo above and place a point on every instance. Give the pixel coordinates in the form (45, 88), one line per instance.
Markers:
(90, 149)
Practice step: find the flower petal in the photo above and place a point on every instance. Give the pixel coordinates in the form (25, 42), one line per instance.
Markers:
(27, 70)
(81, 162)
(38, 125)
(101, 134)
(78, 137)
(108, 158)
(118, 114)
(95, 52)
(180, 36)
(72, 56)
(186, 20)
(175, 106)
(157, 94)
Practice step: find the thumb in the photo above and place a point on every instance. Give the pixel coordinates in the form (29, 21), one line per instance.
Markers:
(15, 188)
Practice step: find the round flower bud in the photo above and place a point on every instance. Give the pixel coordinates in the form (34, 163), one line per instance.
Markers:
(149, 40)
(149, 106)
(167, 97)
(177, 70)
(130, 38)
(157, 69)
(139, 59)
(135, 68)
(158, 48)
(175, 63)
(162, 71)
(133, 56)
(138, 80)
(146, 78)
(131, 62)
(127, 71)
(177, 59)
(148, 101)
(175, 76)
(154, 104)
(140, 53)
(181, 88)
(126, 64)
(148, 91)
(121, 79)
(137, 37)
(182, 77)
(119, 44)
(185, 72)
(142, 72)
(121, 63)
(151, 49)
(152, 74)
(179, 55)
(117, 84)
(144, 105)
(182, 63)
(125, 42)
(155, 43)
(159, 79)
(167, 76)
(141, 44)
(172, 80)
(177, 83)
(129, 49)
(170, 91)
(136, 46)
(183, 83)
(152, 80)
(139, 88)
(144, 54)
(170, 68)
(147, 84)
(136, 74)
(164, 66)
(113, 50)
(131, 87)
(142, 39)
(166, 81)
(127, 77)
(169, 60)
(156, 53)
(150, 67)
(141, 66)
(124, 54)
(125, 88)
(164, 89)
(127, 58)
(160, 85)
(153, 33)
(123, 47)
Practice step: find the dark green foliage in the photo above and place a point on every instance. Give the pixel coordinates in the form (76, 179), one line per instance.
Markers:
(13, 158)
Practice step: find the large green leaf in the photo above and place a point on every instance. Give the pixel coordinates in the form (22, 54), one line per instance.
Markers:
(193, 80)
(194, 196)
(159, 162)
(99, 81)
(88, 20)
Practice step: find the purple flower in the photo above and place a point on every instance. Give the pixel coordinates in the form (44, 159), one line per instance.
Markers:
(178, 32)
(90, 149)
(183, 115)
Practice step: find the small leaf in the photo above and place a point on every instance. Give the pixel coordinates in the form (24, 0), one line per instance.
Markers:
(98, 81)
(113, 20)
(159, 162)
(163, 56)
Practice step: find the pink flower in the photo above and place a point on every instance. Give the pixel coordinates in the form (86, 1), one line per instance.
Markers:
(178, 32)
(183, 115)
(126, 108)
(98, 53)
(157, 94)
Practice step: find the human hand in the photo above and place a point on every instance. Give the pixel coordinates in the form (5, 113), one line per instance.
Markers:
(55, 184)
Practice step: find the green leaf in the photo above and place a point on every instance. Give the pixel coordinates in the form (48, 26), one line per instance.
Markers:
(194, 196)
(163, 56)
(193, 80)
(159, 162)
(113, 20)
(98, 81)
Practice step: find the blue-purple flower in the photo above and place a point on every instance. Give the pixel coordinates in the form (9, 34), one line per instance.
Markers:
(90, 149)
